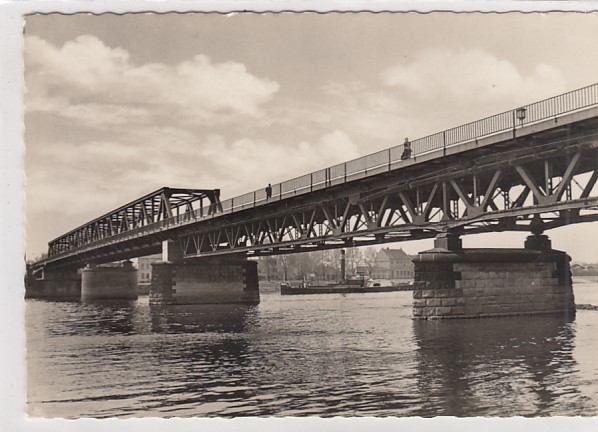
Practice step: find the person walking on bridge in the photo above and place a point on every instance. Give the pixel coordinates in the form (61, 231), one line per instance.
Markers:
(217, 199)
(215, 204)
(406, 149)
(268, 191)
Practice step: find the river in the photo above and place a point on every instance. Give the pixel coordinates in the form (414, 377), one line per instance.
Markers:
(315, 355)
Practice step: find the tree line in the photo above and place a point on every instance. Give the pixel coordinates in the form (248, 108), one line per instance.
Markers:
(319, 265)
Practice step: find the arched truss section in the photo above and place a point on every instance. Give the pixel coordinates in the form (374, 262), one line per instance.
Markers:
(151, 209)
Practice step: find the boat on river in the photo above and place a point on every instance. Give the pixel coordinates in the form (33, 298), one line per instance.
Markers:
(342, 287)
(357, 284)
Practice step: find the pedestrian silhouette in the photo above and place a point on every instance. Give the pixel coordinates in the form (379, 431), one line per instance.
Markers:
(217, 199)
(215, 204)
(406, 149)
(269, 191)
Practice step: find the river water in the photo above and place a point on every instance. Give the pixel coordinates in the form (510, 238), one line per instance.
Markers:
(316, 355)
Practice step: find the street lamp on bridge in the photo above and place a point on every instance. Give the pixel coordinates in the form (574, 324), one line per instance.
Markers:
(520, 113)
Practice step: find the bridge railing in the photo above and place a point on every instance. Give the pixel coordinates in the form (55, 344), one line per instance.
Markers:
(561, 104)
(337, 174)
(298, 185)
(319, 179)
(376, 163)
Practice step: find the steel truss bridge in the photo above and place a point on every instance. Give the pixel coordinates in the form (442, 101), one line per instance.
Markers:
(529, 169)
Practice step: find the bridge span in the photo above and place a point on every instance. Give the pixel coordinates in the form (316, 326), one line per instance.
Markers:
(531, 169)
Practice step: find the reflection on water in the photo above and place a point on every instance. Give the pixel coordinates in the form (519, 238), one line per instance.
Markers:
(325, 355)
(465, 366)
(200, 318)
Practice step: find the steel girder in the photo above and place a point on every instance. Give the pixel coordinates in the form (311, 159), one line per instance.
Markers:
(531, 187)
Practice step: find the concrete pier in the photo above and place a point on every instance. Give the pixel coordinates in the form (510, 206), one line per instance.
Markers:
(109, 282)
(61, 285)
(205, 281)
(474, 283)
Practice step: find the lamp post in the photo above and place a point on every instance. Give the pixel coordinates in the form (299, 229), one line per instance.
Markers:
(520, 113)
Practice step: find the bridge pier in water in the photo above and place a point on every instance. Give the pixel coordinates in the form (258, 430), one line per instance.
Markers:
(452, 282)
(54, 285)
(109, 282)
(210, 280)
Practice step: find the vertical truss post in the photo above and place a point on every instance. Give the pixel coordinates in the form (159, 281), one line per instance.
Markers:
(445, 201)
(548, 177)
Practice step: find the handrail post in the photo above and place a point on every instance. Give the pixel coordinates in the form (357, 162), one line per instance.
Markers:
(389, 159)
(345, 175)
(311, 182)
(443, 143)
(254, 198)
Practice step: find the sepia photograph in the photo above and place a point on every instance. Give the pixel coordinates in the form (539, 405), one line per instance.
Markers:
(299, 214)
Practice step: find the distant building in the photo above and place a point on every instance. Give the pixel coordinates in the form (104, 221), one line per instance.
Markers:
(393, 264)
(144, 271)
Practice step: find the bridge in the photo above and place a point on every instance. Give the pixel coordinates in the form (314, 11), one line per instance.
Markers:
(532, 168)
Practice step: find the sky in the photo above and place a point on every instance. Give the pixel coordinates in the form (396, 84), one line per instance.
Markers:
(117, 106)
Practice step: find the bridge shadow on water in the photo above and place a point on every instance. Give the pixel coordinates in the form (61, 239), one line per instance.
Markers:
(68, 317)
(500, 366)
(211, 318)
(137, 317)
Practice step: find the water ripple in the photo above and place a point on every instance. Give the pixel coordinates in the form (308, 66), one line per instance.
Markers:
(325, 355)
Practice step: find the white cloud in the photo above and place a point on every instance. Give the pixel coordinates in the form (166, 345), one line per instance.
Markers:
(371, 114)
(258, 162)
(474, 77)
(94, 84)
(335, 147)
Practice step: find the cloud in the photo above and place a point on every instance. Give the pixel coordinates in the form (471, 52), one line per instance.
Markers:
(259, 162)
(472, 76)
(97, 85)
(439, 89)
(375, 116)
(372, 118)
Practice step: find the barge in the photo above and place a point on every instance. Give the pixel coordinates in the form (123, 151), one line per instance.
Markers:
(343, 287)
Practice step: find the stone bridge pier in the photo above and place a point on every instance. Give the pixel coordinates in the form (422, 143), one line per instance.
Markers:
(109, 282)
(214, 280)
(53, 285)
(91, 283)
(452, 282)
